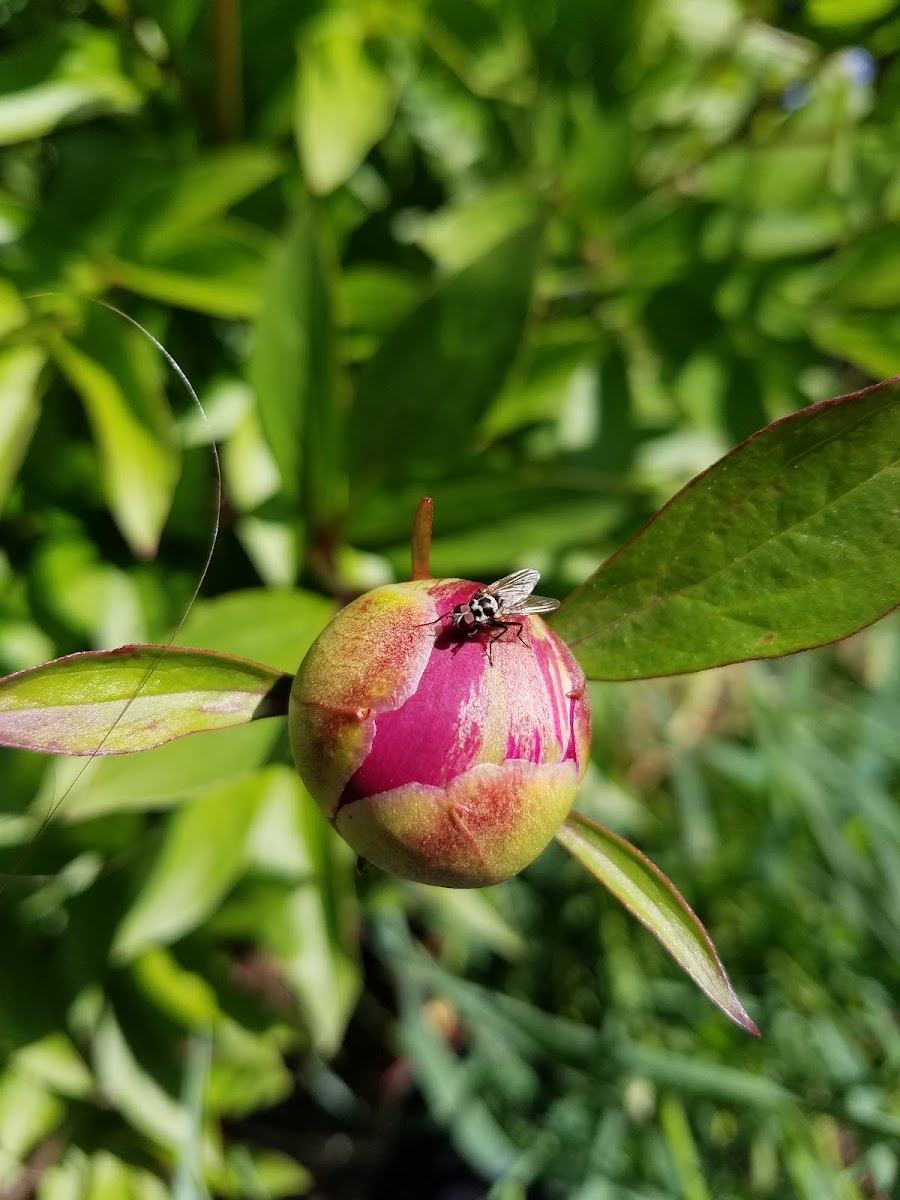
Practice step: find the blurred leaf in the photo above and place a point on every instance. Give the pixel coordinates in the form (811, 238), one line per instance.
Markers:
(161, 777)
(847, 12)
(370, 300)
(138, 1096)
(57, 1064)
(133, 698)
(201, 855)
(870, 340)
(420, 398)
(249, 1171)
(788, 542)
(91, 596)
(770, 236)
(248, 1071)
(214, 268)
(28, 1113)
(70, 74)
(865, 275)
(176, 17)
(293, 365)
(344, 101)
(112, 1178)
(474, 914)
(310, 927)
(139, 462)
(186, 996)
(271, 626)
(187, 1180)
(19, 408)
(199, 191)
(457, 235)
(652, 898)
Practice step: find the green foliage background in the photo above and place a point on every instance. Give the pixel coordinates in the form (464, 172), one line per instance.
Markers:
(542, 261)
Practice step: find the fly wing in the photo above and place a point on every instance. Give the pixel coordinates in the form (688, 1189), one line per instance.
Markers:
(515, 588)
(532, 604)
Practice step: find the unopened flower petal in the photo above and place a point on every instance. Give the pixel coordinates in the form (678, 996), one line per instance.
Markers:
(444, 757)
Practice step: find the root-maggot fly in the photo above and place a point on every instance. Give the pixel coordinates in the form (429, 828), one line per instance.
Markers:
(491, 605)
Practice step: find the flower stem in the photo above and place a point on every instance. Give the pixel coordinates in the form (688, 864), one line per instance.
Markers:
(420, 542)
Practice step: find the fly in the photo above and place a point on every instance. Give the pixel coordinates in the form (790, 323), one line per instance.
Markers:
(490, 607)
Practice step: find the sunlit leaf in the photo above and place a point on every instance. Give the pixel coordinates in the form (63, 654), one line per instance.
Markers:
(652, 898)
(118, 701)
(136, 1094)
(202, 853)
(419, 400)
(345, 101)
(131, 426)
(308, 921)
(200, 190)
(73, 73)
(847, 12)
(213, 268)
(788, 542)
(19, 408)
(266, 624)
(293, 368)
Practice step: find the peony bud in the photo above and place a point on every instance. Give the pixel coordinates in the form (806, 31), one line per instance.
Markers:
(445, 758)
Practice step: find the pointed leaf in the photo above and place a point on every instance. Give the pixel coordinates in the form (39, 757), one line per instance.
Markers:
(293, 364)
(201, 856)
(312, 927)
(653, 899)
(20, 367)
(116, 376)
(72, 73)
(345, 102)
(790, 541)
(133, 698)
(213, 268)
(421, 397)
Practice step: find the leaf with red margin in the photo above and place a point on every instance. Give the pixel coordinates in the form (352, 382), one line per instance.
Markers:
(653, 899)
(790, 541)
(134, 698)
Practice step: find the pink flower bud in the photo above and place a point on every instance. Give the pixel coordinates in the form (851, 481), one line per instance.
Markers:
(436, 755)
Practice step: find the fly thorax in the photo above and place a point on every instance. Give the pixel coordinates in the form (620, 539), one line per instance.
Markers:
(484, 608)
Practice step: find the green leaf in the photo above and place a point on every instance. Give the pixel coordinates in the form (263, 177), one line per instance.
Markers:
(116, 376)
(136, 1095)
(202, 854)
(199, 191)
(75, 72)
(867, 274)
(653, 899)
(29, 1112)
(293, 364)
(789, 542)
(460, 233)
(160, 777)
(250, 1171)
(20, 367)
(345, 102)
(869, 340)
(420, 398)
(269, 625)
(300, 900)
(133, 698)
(847, 12)
(214, 268)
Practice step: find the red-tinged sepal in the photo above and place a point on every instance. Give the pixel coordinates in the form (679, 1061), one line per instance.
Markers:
(654, 900)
